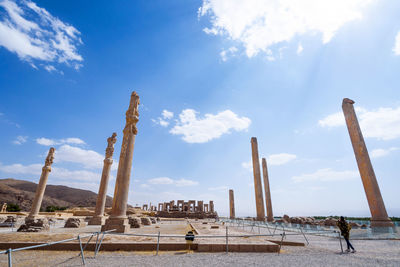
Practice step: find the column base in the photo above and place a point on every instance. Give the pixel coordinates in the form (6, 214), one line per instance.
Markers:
(97, 220)
(260, 219)
(121, 225)
(381, 223)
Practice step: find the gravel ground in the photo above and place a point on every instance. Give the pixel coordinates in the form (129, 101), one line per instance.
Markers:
(320, 252)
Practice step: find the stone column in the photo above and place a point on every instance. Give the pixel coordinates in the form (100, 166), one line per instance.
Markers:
(379, 217)
(37, 201)
(268, 203)
(98, 217)
(200, 206)
(180, 205)
(257, 181)
(211, 206)
(118, 219)
(206, 208)
(231, 205)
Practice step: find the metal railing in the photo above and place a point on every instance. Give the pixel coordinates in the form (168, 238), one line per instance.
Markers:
(79, 238)
(226, 237)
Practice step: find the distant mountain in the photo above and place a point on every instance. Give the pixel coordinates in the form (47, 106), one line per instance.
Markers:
(22, 193)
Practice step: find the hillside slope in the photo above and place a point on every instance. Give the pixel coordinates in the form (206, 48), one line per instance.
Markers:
(22, 193)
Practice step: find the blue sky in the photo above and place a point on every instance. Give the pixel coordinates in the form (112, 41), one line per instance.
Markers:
(210, 75)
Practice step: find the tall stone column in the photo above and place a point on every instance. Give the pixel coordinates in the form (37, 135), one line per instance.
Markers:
(257, 180)
(379, 217)
(37, 201)
(231, 205)
(118, 219)
(98, 217)
(268, 203)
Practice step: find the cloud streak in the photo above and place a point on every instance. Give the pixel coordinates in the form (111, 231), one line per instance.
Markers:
(259, 25)
(201, 130)
(169, 181)
(35, 35)
(382, 123)
(326, 175)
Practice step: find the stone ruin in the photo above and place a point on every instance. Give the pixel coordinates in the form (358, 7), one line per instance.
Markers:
(312, 221)
(187, 209)
(75, 223)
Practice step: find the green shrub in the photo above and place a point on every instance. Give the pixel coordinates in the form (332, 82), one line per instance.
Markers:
(13, 207)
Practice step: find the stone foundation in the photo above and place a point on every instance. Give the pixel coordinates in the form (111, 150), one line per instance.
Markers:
(121, 225)
(97, 220)
(187, 214)
(34, 225)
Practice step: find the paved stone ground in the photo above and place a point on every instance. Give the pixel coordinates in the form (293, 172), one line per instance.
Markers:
(322, 251)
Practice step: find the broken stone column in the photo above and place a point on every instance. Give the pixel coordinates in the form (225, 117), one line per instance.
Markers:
(118, 219)
(200, 206)
(37, 201)
(231, 205)
(211, 206)
(98, 217)
(268, 203)
(379, 217)
(257, 181)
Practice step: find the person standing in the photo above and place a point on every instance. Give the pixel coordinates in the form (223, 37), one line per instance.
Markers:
(345, 228)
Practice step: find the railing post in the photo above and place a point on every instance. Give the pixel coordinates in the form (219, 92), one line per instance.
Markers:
(9, 257)
(80, 244)
(98, 247)
(227, 239)
(95, 247)
(304, 236)
(158, 242)
(340, 240)
(280, 245)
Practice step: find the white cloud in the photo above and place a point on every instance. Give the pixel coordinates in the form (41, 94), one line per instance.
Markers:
(272, 160)
(260, 24)
(332, 120)
(326, 175)
(380, 152)
(167, 114)
(202, 130)
(396, 48)
(280, 159)
(299, 49)
(22, 169)
(169, 181)
(218, 188)
(20, 140)
(227, 53)
(35, 35)
(51, 142)
(184, 182)
(161, 180)
(60, 173)
(88, 158)
(381, 123)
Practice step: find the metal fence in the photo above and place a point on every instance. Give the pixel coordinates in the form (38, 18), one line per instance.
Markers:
(329, 231)
(9, 252)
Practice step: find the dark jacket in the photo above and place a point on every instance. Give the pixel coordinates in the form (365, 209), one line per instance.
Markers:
(344, 228)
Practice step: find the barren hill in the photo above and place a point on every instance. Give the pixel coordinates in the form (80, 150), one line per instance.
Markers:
(22, 193)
